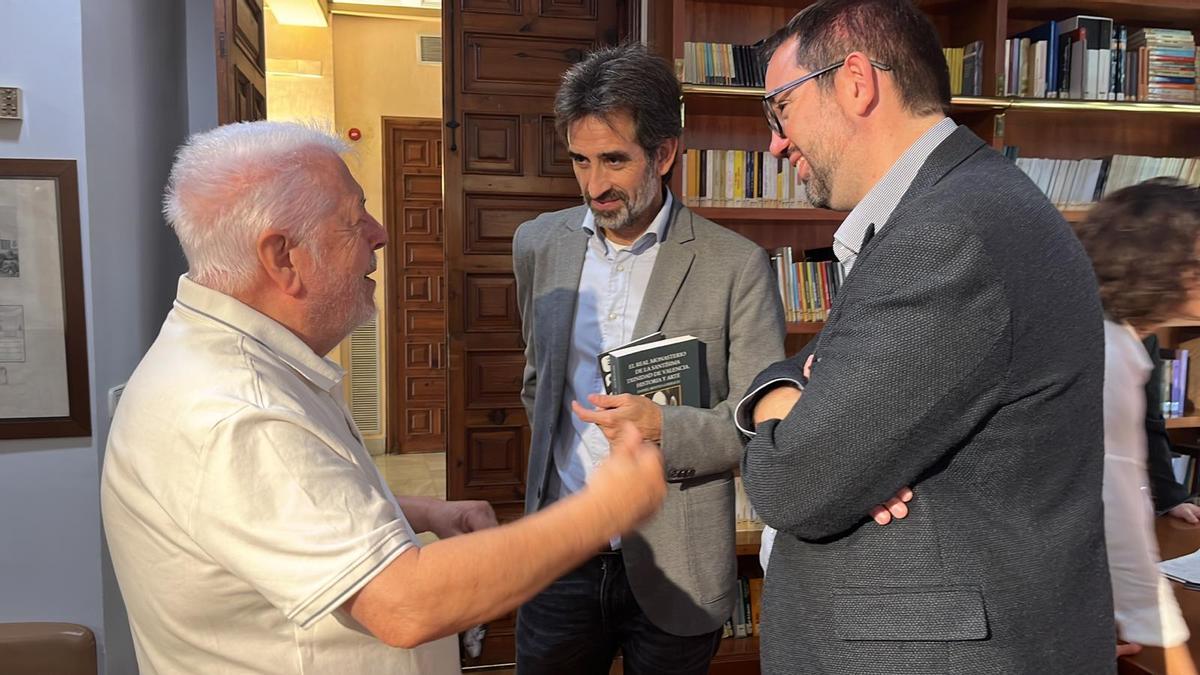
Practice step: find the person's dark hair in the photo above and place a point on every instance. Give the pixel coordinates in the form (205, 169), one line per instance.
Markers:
(1143, 244)
(892, 32)
(622, 79)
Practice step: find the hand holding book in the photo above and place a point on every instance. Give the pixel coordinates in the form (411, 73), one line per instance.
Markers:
(612, 412)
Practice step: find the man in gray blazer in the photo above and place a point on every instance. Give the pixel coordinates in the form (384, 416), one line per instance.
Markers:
(963, 356)
(631, 261)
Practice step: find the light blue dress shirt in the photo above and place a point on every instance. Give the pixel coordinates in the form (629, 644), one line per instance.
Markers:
(612, 286)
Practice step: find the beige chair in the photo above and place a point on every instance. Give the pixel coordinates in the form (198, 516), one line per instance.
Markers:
(37, 648)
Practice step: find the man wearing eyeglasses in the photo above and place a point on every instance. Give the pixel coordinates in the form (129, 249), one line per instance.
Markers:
(962, 357)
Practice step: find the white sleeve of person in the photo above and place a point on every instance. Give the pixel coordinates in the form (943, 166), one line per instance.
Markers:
(288, 512)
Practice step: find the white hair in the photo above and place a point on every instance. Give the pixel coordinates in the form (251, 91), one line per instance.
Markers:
(230, 184)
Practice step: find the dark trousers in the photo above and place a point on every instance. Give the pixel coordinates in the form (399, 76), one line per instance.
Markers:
(577, 624)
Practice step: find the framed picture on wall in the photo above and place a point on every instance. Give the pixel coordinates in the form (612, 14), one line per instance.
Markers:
(43, 337)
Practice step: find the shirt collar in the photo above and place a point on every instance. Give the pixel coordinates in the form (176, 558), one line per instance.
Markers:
(279, 340)
(654, 234)
(879, 203)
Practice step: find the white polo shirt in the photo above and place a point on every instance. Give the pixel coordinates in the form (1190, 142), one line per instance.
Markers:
(241, 507)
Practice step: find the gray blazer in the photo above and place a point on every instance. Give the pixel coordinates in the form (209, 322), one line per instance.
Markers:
(708, 282)
(964, 356)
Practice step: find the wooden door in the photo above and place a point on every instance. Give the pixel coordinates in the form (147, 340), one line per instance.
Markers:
(241, 61)
(416, 294)
(504, 164)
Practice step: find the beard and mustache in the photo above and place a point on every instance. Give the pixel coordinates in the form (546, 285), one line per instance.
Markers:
(629, 216)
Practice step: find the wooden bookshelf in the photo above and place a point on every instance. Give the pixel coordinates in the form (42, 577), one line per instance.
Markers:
(804, 327)
(790, 215)
(706, 97)
(718, 117)
(749, 538)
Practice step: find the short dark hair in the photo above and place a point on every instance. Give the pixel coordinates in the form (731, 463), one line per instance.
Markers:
(625, 78)
(892, 32)
(1143, 244)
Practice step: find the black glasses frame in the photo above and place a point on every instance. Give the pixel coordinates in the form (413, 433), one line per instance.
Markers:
(768, 99)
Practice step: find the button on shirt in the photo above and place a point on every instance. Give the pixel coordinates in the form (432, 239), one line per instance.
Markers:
(241, 507)
(611, 288)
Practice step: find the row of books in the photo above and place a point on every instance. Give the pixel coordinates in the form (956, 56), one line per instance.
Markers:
(1091, 58)
(966, 69)
(740, 178)
(1174, 381)
(744, 513)
(722, 64)
(744, 622)
(1074, 183)
(806, 287)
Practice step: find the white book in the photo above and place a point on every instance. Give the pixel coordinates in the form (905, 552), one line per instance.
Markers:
(1091, 76)
(1173, 167)
(729, 177)
(1095, 166)
(1075, 196)
(1079, 70)
(1039, 66)
(1179, 466)
(1045, 175)
(1061, 168)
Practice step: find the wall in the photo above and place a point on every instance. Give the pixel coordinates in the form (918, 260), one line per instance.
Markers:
(49, 489)
(201, 65)
(299, 73)
(135, 115)
(377, 75)
(105, 84)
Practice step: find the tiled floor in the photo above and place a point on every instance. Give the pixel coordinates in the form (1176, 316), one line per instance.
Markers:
(415, 475)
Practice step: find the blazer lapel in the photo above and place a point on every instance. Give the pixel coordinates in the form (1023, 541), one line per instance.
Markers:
(670, 269)
(566, 260)
(958, 146)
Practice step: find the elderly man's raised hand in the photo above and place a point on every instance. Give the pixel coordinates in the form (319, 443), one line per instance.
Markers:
(630, 484)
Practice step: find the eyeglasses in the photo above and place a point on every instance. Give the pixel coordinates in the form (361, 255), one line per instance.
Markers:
(768, 99)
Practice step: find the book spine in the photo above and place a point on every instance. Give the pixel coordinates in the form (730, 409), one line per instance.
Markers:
(1183, 381)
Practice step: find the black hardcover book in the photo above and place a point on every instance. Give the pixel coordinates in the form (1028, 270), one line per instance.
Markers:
(666, 371)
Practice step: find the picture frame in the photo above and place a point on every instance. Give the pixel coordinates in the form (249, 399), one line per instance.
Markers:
(44, 384)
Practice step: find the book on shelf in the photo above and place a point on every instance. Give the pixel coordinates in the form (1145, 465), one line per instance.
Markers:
(1173, 382)
(1078, 183)
(756, 589)
(741, 622)
(1039, 52)
(668, 371)
(966, 69)
(722, 64)
(747, 608)
(806, 287)
(1184, 466)
(744, 514)
(1092, 58)
(1167, 68)
(740, 178)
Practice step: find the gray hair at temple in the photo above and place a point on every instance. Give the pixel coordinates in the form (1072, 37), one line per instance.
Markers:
(230, 184)
(622, 79)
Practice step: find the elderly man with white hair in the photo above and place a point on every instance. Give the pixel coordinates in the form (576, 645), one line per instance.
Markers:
(249, 529)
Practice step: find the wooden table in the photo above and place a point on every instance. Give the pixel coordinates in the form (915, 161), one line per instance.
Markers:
(1175, 538)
